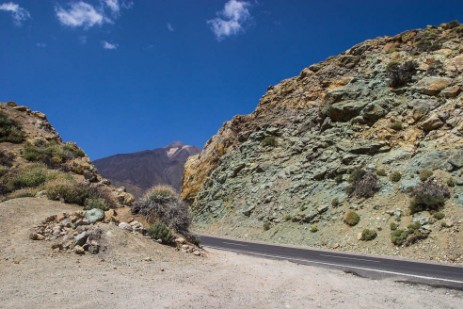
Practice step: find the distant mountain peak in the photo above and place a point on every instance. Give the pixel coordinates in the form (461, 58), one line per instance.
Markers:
(175, 144)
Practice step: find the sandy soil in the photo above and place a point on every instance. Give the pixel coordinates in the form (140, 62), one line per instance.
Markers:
(32, 275)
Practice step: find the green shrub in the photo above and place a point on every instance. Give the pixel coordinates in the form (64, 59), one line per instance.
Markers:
(10, 131)
(269, 141)
(288, 218)
(68, 190)
(381, 172)
(400, 75)
(425, 174)
(451, 182)
(6, 158)
(395, 176)
(338, 179)
(439, 215)
(413, 226)
(398, 237)
(314, 228)
(49, 154)
(163, 203)
(335, 202)
(195, 240)
(368, 234)
(302, 207)
(428, 196)
(96, 203)
(396, 125)
(160, 231)
(71, 150)
(351, 218)
(356, 175)
(28, 177)
(393, 226)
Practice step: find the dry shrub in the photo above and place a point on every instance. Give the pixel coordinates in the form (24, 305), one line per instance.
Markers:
(366, 186)
(67, 189)
(163, 203)
(428, 195)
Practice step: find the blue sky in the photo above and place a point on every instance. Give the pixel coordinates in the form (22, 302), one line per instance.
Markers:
(121, 76)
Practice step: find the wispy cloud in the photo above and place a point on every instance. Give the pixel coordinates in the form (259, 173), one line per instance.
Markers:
(170, 27)
(18, 13)
(107, 45)
(230, 20)
(86, 15)
(113, 5)
(41, 45)
(80, 14)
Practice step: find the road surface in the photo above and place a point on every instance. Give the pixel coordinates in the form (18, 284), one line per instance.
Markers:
(444, 275)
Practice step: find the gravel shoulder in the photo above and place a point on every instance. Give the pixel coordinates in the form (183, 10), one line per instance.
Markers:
(135, 272)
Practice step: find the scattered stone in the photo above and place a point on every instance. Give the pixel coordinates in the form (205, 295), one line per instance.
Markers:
(79, 250)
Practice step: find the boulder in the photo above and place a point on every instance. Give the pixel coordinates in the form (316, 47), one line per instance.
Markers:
(94, 215)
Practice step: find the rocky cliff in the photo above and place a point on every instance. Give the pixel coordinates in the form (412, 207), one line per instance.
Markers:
(34, 160)
(362, 134)
(139, 171)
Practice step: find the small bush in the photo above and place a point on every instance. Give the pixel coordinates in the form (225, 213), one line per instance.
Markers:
(288, 218)
(425, 174)
(356, 175)
(413, 226)
(439, 215)
(367, 186)
(451, 182)
(381, 172)
(160, 231)
(68, 190)
(96, 203)
(400, 75)
(398, 237)
(6, 158)
(49, 154)
(266, 226)
(302, 207)
(10, 131)
(368, 234)
(428, 196)
(195, 240)
(338, 179)
(396, 125)
(351, 218)
(395, 176)
(314, 228)
(164, 204)
(269, 141)
(28, 177)
(393, 226)
(335, 202)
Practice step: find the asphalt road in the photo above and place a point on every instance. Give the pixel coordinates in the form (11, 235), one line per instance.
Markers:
(373, 267)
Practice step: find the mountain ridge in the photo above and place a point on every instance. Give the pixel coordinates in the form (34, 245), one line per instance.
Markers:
(138, 171)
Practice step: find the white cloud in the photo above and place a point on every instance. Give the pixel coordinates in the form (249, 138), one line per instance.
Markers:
(18, 13)
(170, 27)
(41, 45)
(107, 45)
(231, 19)
(113, 5)
(81, 14)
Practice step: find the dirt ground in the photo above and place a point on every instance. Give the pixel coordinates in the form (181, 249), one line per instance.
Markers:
(135, 272)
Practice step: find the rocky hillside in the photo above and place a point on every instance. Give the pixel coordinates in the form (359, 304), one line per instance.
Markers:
(361, 152)
(34, 161)
(140, 171)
